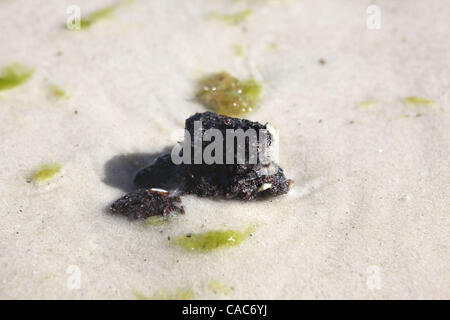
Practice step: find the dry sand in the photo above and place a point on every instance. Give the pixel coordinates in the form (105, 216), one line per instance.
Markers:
(367, 218)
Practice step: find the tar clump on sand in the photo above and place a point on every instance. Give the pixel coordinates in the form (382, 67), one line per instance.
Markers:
(162, 183)
(143, 203)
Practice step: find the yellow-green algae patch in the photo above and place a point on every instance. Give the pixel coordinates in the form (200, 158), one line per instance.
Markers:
(225, 94)
(239, 50)
(178, 294)
(58, 92)
(96, 16)
(155, 221)
(218, 287)
(273, 46)
(233, 18)
(418, 101)
(46, 172)
(212, 240)
(140, 296)
(367, 103)
(14, 75)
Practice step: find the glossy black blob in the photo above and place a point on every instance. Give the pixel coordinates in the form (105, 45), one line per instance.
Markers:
(162, 173)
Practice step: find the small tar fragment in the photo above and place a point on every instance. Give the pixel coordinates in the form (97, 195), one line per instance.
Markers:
(143, 203)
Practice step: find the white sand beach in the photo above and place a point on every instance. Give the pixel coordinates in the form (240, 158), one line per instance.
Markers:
(368, 217)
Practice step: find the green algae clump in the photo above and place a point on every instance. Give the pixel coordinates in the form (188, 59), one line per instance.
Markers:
(96, 16)
(273, 46)
(46, 172)
(227, 95)
(218, 287)
(14, 75)
(239, 50)
(155, 221)
(179, 294)
(58, 92)
(140, 296)
(233, 18)
(367, 103)
(211, 240)
(418, 101)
